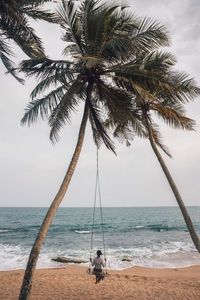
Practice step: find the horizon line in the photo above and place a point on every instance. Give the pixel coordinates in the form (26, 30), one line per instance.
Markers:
(98, 206)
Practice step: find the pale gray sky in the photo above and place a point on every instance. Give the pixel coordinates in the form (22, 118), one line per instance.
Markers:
(31, 169)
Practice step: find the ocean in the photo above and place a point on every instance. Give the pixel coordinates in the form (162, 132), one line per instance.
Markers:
(147, 236)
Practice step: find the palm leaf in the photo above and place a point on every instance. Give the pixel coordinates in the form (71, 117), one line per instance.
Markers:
(39, 14)
(115, 34)
(42, 107)
(44, 68)
(10, 66)
(14, 25)
(62, 112)
(150, 35)
(127, 129)
(23, 35)
(157, 137)
(160, 61)
(43, 85)
(185, 88)
(99, 132)
(116, 101)
(127, 76)
(68, 20)
(173, 118)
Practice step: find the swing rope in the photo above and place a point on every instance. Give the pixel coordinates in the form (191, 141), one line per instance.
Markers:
(94, 210)
(97, 192)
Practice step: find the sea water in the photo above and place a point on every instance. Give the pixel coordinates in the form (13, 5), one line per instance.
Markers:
(147, 236)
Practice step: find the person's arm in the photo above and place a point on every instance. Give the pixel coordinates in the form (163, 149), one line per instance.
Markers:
(93, 262)
(103, 263)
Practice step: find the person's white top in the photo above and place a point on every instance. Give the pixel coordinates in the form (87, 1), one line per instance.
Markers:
(98, 262)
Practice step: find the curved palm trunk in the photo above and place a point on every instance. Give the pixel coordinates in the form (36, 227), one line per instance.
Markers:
(174, 188)
(34, 254)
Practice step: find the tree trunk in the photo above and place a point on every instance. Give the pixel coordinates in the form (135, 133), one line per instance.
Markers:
(174, 188)
(34, 254)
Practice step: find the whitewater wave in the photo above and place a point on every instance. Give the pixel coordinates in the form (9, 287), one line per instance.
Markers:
(82, 231)
(160, 228)
(139, 226)
(15, 257)
(163, 255)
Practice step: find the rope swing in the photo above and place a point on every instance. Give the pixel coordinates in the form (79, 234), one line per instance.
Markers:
(97, 195)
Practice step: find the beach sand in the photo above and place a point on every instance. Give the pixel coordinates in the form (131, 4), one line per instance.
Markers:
(72, 282)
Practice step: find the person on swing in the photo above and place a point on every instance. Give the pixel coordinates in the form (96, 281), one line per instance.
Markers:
(98, 263)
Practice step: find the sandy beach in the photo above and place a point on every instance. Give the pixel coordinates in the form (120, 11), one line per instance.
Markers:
(72, 282)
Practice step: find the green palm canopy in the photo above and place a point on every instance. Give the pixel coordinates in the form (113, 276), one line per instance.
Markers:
(155, 87)
(14, 25)
(100, 40)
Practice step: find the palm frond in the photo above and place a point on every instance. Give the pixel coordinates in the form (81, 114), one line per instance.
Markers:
(123, 134)
(126, 130)
(99, 132)
(5, 53)
(39, 14)
(43, 106)
(67, 16)
(128, 75)
(5, 48)
(173, 118)
(157, 137)
(32, 3)
(143, 96)
(136, 125)
(185, 88)
(117, 101)
(177, 106)
(44, 68)
(9, 65)
(24, 36)
(114, 35)
(14, 24)
(62, 112)
(43, 85)
(160, 61)
(150, 35)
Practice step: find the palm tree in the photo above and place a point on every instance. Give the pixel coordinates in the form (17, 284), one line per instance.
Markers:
(99, 38)
(168, 91)
(14, 25)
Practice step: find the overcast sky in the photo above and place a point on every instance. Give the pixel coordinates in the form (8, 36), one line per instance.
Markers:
(31, 168)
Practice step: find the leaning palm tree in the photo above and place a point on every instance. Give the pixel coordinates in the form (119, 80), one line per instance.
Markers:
(14, 25)
(165, 97)
(99, 38)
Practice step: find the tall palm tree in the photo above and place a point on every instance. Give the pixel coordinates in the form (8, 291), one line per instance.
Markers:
(14, 25)
(165, 97)
(99, 38)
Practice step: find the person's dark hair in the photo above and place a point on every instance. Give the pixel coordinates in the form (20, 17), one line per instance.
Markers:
(99, 253)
